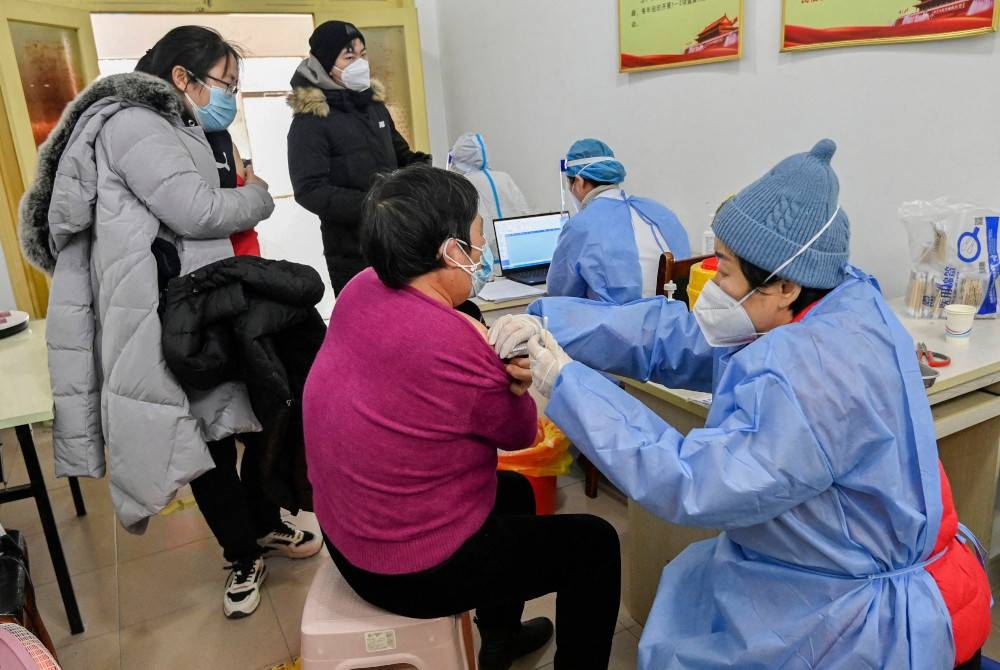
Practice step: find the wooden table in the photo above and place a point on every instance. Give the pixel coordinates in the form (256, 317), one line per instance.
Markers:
(965, 403)
(26, 398)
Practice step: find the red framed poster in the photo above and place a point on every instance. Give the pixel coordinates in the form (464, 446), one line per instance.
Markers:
(656, 34)
(821, 24)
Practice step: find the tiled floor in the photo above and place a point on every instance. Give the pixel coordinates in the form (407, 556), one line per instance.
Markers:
(155, 600)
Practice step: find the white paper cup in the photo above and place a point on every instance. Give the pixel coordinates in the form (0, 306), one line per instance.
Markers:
(958, 323)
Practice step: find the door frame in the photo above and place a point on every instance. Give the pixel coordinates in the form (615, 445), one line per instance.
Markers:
(18, 154)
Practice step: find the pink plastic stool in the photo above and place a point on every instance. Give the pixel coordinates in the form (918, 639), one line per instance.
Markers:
(340, 631)
(20, 650)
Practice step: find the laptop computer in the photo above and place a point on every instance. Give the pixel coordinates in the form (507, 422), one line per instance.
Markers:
(525, 245)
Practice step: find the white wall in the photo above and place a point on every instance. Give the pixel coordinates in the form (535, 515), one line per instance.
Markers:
(912, 121)
(430, 45)
(6, 291)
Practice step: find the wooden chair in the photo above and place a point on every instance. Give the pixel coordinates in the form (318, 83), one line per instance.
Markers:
(678, 271)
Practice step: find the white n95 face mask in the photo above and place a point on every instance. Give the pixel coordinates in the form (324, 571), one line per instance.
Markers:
(722, 319)
(357, 76)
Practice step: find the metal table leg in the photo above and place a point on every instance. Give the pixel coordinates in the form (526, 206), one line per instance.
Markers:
(74, 487)
(49, 526)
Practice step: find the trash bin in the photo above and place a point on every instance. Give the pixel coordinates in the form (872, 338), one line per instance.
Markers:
(541, 463)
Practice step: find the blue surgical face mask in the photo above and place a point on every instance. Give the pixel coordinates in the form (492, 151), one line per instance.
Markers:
(485, 272)
(220, 111)
(480, 272)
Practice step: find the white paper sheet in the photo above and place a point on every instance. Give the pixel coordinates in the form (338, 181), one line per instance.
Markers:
(504, 289)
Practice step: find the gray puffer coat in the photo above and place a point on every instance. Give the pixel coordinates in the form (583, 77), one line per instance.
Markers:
(120, 169)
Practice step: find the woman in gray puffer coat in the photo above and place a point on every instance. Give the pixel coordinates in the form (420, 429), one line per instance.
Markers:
(127, 166)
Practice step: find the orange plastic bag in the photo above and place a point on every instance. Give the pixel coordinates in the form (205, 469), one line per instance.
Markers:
(548, 457)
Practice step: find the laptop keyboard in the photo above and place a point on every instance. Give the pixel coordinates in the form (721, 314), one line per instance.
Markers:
(529, 276)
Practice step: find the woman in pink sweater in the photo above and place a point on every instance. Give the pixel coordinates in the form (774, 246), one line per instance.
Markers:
(404, 410)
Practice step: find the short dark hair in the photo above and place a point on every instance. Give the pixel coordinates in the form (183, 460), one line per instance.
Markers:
(758, 276)
(408, 214)
(195, 48)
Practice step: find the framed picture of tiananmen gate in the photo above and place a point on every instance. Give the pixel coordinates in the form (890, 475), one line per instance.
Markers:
(674, 33)
(821, 24)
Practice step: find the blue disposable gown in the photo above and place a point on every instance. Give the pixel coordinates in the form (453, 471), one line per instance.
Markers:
(596, 256)
(818, 459)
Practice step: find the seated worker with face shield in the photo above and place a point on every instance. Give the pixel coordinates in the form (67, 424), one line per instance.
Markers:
(609, 249)
(818, 459)
(404, 410)
(499, 196)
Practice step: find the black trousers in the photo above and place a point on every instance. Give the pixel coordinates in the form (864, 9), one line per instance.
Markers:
(514, 557)
(973, 663)
(342, 270)
(234, 505)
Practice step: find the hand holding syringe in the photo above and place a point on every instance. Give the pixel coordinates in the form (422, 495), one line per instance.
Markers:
(522, 349)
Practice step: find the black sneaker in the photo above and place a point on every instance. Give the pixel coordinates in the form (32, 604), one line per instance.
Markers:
(291, 542)
(501, 647)
(243, 588)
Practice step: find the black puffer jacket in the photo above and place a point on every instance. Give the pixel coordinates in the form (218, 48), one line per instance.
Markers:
(253, 320)
(338, 141)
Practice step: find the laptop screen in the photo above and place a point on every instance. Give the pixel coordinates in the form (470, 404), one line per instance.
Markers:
(527, 241)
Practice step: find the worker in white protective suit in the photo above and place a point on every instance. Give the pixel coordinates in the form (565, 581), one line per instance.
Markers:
(499, 196)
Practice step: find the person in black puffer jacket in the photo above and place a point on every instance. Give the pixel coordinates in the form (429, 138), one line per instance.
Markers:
(341, 136)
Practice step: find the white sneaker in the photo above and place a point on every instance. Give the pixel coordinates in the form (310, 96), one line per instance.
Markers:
(243, 588)
(291, 542)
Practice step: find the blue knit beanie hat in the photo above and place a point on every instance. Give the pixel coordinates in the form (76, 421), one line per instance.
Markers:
(608, 171)
(770, 220)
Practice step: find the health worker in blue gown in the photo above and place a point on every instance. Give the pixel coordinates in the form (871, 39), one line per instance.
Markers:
(840, 545)
(610, 248)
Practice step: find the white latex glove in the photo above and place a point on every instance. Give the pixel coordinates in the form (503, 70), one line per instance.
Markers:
(547, 360)
(512, 330)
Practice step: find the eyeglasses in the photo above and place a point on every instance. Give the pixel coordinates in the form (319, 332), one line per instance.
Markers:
(229, 88)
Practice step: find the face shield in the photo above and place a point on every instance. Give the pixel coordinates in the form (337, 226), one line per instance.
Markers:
(570, 169)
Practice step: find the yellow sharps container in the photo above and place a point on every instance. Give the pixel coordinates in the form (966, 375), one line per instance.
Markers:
(701, 273)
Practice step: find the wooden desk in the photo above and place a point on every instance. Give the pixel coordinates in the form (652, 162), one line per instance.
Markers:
(965, 403)
(26, 398)
(973, 367)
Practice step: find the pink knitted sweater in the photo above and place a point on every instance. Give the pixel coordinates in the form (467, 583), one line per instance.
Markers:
(404, 409)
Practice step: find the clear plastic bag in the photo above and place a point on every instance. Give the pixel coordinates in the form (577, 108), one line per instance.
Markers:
(954, 257)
